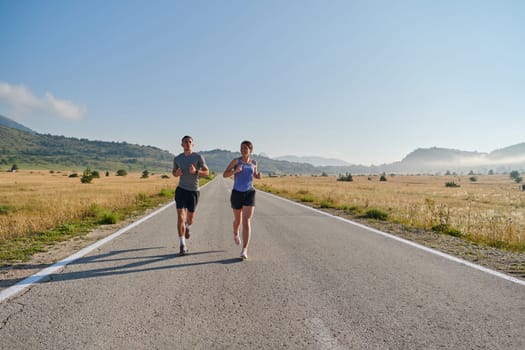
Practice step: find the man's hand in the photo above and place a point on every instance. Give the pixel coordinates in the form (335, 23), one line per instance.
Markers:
(193, 169)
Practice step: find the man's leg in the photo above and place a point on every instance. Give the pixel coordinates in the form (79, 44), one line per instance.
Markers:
(181, 220)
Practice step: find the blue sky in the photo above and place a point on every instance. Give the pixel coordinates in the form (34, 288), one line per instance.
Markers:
(363, 81)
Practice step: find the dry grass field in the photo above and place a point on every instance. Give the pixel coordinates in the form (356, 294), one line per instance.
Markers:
(490, 210)
(35, 201)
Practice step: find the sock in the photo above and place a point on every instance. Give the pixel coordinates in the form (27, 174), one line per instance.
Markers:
(182, 240)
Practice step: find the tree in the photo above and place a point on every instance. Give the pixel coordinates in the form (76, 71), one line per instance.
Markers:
(515, 175)
(346, 177)
(87, 176)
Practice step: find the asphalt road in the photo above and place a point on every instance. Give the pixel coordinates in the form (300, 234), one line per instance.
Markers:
(312, 282)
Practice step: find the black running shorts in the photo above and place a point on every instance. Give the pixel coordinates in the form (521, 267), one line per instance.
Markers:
(242, 199)
(186, 199)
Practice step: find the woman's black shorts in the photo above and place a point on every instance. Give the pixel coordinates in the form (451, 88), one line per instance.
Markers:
(186, 199)
(242, 199)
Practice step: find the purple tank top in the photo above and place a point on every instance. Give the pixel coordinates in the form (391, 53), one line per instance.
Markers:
(243, 181)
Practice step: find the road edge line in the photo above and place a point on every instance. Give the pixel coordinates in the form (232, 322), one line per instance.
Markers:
(413, 244)
(37, 277)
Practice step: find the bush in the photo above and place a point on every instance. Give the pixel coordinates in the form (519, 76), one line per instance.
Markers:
(514, 174)
(145, 174)
(73, 175)
(122, 172)
(451, 184)
(5, 209)
(108, 218)
(376, 214)
(473, 179)
(306, 198)
(87, 177)
(382, 178)
(346, 177)
(446, 229)
(166, 192)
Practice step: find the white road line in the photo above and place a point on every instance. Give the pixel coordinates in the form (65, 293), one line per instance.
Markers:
(416, 245)
(29, 281)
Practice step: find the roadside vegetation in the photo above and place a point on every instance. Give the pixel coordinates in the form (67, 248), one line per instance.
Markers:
(488, 211)
(40, 208)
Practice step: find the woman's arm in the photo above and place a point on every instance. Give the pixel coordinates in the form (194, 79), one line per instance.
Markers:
(230, 169)
(256, 172)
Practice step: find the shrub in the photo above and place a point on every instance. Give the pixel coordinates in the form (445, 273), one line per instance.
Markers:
(95, 174)
(346, 177)
(164, 176)
(143, 200)
(473, 179)
(376, 214)
(383, 177)
(307, 198)
(5, 209)
(145, 174)
(87, 177)
(108, 218)
(446, 229)
(122, 172)
(165, 192)
(73, 175)
(451, 184)
(327, 202)
(514, 174)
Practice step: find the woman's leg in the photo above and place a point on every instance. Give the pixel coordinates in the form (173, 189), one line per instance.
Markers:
(247, 213)
(237, 219)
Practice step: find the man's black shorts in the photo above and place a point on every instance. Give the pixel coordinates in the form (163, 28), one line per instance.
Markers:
(186, 199)
(242, 199)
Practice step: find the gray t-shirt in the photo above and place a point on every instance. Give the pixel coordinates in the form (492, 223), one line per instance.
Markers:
(189, 181)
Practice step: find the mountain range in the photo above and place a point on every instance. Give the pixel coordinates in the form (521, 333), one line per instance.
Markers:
(28, 149)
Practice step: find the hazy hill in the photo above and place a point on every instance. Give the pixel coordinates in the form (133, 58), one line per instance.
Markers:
(316, 161)
(28, 149)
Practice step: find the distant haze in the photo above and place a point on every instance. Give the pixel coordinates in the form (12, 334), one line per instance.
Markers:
(314, 160)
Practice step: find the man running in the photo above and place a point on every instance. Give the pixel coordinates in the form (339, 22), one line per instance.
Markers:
(188, 166)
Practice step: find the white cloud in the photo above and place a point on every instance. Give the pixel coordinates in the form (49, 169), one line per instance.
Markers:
(23, 101)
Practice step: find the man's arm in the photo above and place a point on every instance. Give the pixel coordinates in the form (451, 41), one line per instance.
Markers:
(203, 171)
